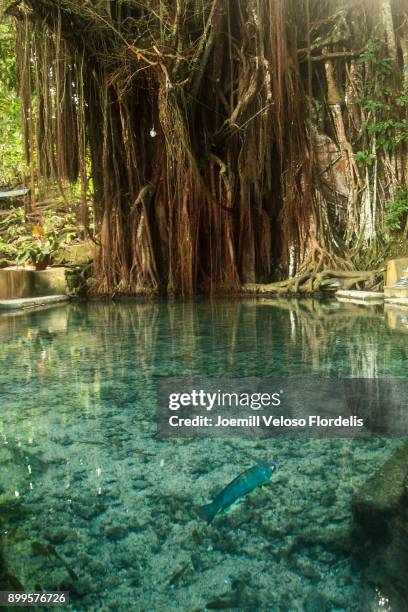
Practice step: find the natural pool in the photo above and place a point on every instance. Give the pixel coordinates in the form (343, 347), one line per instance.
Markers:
(82, 470)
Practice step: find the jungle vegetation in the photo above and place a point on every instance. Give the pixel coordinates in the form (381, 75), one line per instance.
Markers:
(224, 142)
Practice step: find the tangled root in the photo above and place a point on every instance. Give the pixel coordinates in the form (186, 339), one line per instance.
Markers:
(313, 281)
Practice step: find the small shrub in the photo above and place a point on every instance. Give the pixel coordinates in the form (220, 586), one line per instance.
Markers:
(397, 209)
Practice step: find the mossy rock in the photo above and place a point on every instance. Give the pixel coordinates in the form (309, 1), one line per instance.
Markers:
(380, 497)
(380, 510)
(77, 279)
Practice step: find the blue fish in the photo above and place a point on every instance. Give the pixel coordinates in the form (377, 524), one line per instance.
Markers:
(241, 485)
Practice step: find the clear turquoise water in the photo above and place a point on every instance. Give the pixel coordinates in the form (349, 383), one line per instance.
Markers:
(81, 468)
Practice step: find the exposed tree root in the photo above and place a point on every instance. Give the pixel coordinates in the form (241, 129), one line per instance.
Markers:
(315, 281)
(216, 135)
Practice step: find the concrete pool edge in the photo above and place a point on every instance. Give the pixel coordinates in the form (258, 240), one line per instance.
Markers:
(28, 303)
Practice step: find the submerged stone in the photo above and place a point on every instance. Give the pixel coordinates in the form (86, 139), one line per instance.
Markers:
(317, 603)
(380, 498)
(117, 532)
(381, 516)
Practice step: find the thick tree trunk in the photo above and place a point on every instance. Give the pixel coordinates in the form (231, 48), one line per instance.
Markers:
(242, 119)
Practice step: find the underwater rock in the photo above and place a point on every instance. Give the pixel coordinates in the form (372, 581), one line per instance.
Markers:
(12, 509)
(307, 569)
(60, 534)
(328, 500)
(334, 537)
(222, 604)
(380, 510)
(88, 511)
(317, 603)
(117, 532)
(381, 496)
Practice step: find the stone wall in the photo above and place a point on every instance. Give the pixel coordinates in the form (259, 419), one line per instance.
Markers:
(18, 283)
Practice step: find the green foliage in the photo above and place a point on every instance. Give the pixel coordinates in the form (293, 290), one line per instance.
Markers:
(12, 227)
(397, 209)
(23, 242)
(44, 240)
(364, 159)
(12, 165)
(384, 105)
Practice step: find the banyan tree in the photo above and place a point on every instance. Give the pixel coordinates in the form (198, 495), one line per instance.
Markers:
(225, 141)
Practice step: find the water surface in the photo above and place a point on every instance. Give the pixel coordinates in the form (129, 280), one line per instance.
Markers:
(82, 470)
